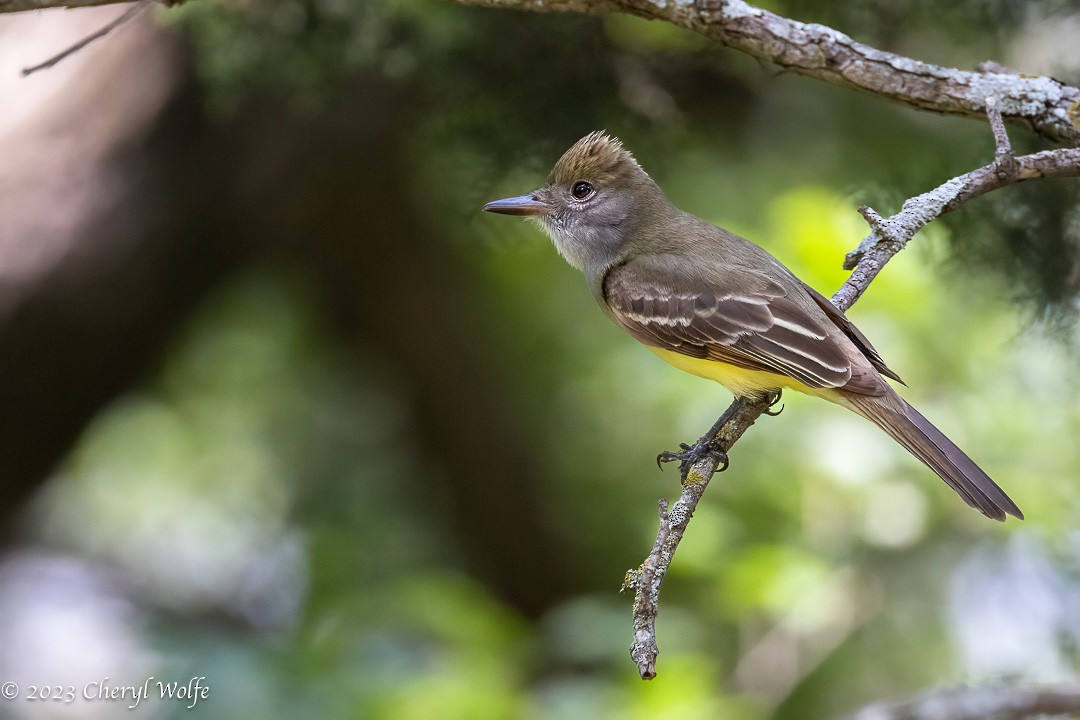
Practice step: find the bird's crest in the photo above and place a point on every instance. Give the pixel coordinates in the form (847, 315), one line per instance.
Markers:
(597, 157)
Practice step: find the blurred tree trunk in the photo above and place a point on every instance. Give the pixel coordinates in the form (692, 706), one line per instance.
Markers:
(156, 205)
(106, 250)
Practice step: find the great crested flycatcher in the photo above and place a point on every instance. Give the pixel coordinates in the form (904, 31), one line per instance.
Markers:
(715, 305)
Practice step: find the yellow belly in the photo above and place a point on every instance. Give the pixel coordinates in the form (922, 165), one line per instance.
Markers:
(742, 382)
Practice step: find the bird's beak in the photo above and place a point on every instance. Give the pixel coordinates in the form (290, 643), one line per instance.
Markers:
(521, 205)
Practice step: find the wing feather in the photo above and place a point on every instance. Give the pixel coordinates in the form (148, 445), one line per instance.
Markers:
(744, 319)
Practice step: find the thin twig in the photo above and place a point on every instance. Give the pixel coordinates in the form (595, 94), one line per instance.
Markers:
(997, 125)
(647, 579)
(875, 221)
(1005, 163)
(642, 580)
(14, 6)
(877, 248)
(128, 14)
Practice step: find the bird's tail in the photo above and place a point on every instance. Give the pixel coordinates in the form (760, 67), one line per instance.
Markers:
(908, 427)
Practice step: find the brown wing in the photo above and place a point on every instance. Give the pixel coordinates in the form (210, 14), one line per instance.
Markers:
(742, 318)
(856, 336)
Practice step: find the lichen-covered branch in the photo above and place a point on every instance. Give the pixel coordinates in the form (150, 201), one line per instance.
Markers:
(887, 237)
(1042, 104)
(645, 581)
(1007, 702)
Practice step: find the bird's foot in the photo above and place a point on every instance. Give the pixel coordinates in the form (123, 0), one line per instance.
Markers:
(689, 455)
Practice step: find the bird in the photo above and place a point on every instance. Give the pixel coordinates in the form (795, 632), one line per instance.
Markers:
(718, 306)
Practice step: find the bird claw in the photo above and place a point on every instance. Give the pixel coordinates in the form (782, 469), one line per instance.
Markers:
(668, 456)
(688, 455)
(774, 397)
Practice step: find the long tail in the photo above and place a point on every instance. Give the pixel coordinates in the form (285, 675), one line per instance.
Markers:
(908, 427)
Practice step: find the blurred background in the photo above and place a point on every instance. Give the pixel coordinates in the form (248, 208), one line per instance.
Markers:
(281, 408)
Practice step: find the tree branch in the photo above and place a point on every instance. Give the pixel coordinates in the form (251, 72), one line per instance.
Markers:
(978, 703)
(1042, 104)
(887, 237)
(646, 579)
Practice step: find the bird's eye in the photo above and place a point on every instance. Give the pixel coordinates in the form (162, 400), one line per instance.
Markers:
(582, 190)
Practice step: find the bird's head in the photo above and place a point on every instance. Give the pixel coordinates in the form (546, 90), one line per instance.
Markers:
(595, 201)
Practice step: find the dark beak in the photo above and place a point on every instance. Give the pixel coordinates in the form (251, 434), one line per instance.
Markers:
(521, 205)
